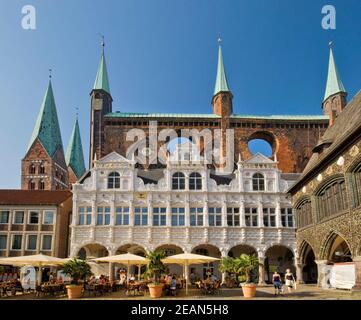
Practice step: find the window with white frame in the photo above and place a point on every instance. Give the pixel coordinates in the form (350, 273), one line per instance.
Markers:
(32, 242)
(233, 218)
(103, 216)
(178, 181)
(122, 216)
(33, 217)
(114, 180)
(251, 217)
(16, 243)
(196, 216)
(18, 217)
(85, 215)
(159, 216)
(4, 217)
(48, 217)
(287, 217)
(178, 217)
(46, 243)
(215, 216)
(3, 241)
(269, 217)
(195, 181)
(258, 182)
(140, 216)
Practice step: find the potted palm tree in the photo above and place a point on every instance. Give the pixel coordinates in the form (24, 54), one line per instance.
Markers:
(229, 265)
(247, 264)
(154, 269)
(78, 270)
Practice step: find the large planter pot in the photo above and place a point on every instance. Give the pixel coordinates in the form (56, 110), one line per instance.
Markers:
(155, 290)
(74, 292)
(249, 290)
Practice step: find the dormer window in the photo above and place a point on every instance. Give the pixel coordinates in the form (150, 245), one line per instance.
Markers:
(258, 182)
(178, 181)
(114, 180)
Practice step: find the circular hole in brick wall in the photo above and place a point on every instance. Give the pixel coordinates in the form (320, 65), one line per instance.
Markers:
(261, 146)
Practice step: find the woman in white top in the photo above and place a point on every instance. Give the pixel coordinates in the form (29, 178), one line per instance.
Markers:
(290, 280)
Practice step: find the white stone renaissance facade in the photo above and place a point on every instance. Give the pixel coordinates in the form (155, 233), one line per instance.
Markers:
(185, 208)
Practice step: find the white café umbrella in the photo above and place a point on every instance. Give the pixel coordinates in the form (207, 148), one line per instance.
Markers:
(36, 260)
(187, 259)
(127, 259)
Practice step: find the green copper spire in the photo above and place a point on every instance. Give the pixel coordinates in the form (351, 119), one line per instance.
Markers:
(334, 83)
(102, 80)
(221, 81)
(47, 128)
(74, 154)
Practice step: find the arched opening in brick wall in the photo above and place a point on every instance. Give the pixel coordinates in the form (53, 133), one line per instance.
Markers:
(262, 142)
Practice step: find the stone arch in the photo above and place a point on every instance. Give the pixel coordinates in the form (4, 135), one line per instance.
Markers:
(331, 244)
(238, 249)
(301, 200)
(307, 260)
(136, 249)
(211, 251)
(133, 248)
(278, 257)
(92, 250)
(267, 136)
(74, 252)
(323, 184)
(172, 249)
(353, 174)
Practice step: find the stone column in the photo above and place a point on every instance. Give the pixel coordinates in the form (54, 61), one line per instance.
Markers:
(131, 214)
(224, 274)
(242, 221)
(169, 214)
(278, 215)
(261, 272)
(94, 212)
(205, 214)
(224, 213)
(299, 272)
(322, 273)
(260, 214)
(357, 286)
(111, 271)
(187, 213)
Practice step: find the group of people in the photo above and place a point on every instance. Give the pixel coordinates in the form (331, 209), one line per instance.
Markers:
(102, 279)
(290, 282)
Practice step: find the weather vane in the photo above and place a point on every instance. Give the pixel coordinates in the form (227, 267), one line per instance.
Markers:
(77, 111)
(219, 39)
(50, 73)
(330, 44)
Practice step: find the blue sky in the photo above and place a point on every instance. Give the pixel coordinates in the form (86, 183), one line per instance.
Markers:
(162, 56)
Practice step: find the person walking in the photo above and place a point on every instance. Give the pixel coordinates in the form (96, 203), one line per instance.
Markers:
(290, 280)
(277, 283)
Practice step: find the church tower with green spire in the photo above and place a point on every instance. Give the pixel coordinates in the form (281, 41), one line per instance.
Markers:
(101, 104)
(335, 94)
(222, 97)
(44, 167)
(74, 156)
